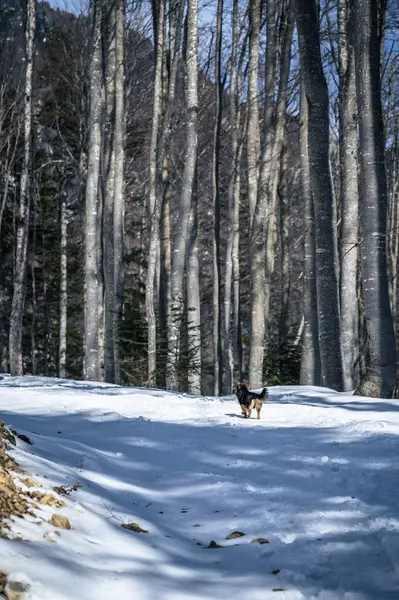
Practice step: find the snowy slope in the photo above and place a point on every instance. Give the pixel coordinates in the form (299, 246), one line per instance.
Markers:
(317, 476)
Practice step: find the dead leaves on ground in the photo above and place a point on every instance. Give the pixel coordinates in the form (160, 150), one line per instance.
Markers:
(133, 527)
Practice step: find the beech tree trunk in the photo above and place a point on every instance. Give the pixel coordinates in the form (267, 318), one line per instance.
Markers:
(217, 276)
(18, 298)
(108, 176)
(379, 380)
(228, 359)
(180, 246)
(154, 203)
(321, 188)
(92, 301)
(62, 352)
(310, 373)
(349, 196)
(119, 197)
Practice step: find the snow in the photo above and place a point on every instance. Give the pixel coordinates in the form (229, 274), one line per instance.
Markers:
(317, 476)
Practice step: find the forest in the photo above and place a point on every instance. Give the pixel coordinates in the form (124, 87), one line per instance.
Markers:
(194, 193)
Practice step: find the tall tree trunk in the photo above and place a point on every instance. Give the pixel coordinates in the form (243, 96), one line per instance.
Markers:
(217, 276)
(161, 149)
(228, 358)
(263, 233)
(18, 299)
(62, 345)
(286, 33)
(310, 360)
(349, 196)
(180, 246)
(285, 210)
(92, 275)
(119, 200)
(257, 210)
(108, 175)
(321, 187)
(379, 380)
(154, 206)
(194, 303)
(253, 135)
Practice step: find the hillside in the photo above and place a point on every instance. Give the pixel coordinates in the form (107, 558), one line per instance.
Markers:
(313, 482)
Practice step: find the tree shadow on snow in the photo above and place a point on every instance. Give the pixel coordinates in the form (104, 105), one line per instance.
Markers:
(326, 501)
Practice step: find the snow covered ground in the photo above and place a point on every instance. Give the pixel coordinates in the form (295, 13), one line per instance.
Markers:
(317, 477)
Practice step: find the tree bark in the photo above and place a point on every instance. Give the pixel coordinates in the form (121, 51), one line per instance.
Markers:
(349, 196)
(194, 303)
(253, 135)
(108, 176)
(92, 275)
(154, 204)
(62, 344)
(321, 188)
(310, 373)
(217, 276)
(180, 246)
(228, 358)
(379, 380)
(119, 199)
(18, 299)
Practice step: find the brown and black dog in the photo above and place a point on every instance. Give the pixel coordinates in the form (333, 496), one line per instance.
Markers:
(249, 400)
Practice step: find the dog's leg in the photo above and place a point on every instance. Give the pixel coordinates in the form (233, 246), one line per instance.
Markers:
(243, 410)
(258, 413)
(249, 413)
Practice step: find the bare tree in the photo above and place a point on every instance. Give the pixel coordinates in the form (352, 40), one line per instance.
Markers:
(380, 378)
(310, 359)
(217, 275)
(18, 299)
(92, 242)
(119, 199)
(228, 358)
(63, 286)
(108, 177)
(321, 188)
(154, 201)
(349, 195)
(180, 246)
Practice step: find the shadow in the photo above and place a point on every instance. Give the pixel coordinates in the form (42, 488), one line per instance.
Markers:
(324, 497)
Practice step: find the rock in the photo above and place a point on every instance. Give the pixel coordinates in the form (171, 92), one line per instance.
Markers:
(50, 536)
(260, 541)
(278, 590)
(234, 535)
(50, 500)
(60, 522)
(275, 571)
(17, 586)
(134, 527)
(213, 544)
(29, 482)
(24, 438)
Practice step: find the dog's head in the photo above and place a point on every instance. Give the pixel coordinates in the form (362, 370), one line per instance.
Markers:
(242, 387)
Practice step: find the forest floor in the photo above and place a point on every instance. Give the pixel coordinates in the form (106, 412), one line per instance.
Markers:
(141, 494)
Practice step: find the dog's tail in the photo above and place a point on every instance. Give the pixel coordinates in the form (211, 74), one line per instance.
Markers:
(263, 394)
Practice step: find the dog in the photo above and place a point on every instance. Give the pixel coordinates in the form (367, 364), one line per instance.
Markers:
(249, 400)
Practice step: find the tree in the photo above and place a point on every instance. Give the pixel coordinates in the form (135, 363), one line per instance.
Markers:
(380, 378)
(348, 195)
(310, 359)
(93, 300)
(321, 188)
(217, 275)
(113, 177)
(18, 299)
